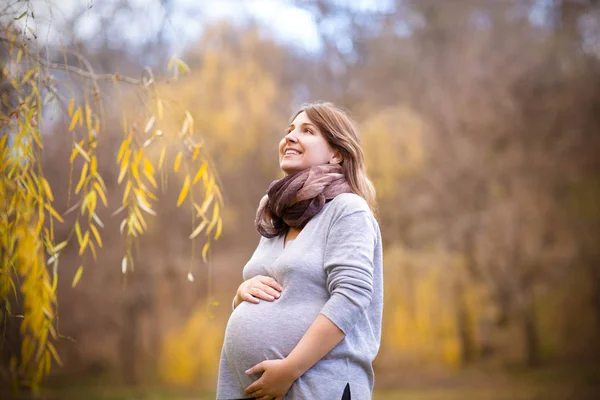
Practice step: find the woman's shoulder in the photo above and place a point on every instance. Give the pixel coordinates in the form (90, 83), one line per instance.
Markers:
(348, 203)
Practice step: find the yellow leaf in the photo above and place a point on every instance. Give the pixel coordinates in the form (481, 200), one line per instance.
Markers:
(101, 181)
(138, 156)
(124, 145)
(207, 203)
(219, 228)
(93, 249)
(122, 171)
(126, 192)
(200, 172)
(54, 353)
(177, 161)
(148, 166)
(171, 62)
(73, 155)
(94, 166)
(196, 152)
(96, 235)
(84, 242)
(59, 247)
(151, 195)
(82, 178)
(184, 190)
(78, 232)
(215, 217)
(183, 67)
(82, 151)
(53, 212)
(191, 122)
(134, 172)
(149, 124)
(88, 117)
(151, 179)
(159, 108)
(205, 251)
(124, 265)
(140, 217)
(198, 230)
(77, 276)
(76, 117)
(98, 220)
(161, 159)
(71, 105)
(101, 193)
(47, 189)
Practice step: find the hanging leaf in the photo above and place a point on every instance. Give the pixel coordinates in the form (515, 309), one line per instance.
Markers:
(200, 172)
(84, 242)
(184, 190)
(100, 193)
(75, 118)
(96, 235)
(149, 124)
(47, 189)
(53, 212)
(81, 178)
(59, 247)
(177, 161)
(161, 159)
(205, 252)
(219, 228)
(77, 276)
(82, 151)
(71, 105)
(198, 230)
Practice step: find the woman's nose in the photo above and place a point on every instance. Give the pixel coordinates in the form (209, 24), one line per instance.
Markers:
(291, 137)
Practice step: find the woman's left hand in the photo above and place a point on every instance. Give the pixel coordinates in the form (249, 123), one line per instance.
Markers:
(275, 381)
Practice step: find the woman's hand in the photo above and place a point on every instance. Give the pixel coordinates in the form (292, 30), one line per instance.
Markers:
(257, 288)
(276, 379)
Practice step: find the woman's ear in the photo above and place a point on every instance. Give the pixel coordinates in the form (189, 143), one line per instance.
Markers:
(336, 158)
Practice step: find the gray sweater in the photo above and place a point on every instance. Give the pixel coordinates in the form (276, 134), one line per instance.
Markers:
(333, 267)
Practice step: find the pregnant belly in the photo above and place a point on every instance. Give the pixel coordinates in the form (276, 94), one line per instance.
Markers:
(266, 331)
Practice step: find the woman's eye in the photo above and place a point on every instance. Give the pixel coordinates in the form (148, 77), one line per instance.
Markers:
(309, 131)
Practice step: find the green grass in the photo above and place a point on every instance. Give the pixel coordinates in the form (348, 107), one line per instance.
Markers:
(462, 393)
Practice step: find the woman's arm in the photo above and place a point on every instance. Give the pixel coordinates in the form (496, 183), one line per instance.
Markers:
(278, 375)
(322, 336)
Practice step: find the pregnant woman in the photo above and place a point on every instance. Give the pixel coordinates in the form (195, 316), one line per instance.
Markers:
(306, 322)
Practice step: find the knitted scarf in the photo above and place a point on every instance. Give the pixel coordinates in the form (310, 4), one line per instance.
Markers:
(296, 198)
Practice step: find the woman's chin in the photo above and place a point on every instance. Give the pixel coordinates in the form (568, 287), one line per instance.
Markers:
(290, 169)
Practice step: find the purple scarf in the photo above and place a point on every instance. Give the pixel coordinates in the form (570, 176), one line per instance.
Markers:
(296, 198)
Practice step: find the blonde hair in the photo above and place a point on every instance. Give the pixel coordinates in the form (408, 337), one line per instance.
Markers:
(341, 132)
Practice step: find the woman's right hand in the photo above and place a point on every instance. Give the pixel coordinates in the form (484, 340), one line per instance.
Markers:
(258, 288)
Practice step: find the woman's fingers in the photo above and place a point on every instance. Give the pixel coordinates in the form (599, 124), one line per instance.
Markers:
(270, 290)
(246, 296)
(267, 280)
(256, 292)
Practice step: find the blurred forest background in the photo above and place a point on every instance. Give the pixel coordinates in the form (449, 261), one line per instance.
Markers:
(480, 120)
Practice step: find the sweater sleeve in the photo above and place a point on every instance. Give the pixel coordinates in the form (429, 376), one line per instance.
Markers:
(348, 263)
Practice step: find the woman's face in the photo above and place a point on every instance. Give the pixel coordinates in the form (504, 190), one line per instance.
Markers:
(304, 146)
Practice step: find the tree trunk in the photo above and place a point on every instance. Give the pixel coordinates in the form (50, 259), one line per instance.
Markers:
(128, 342)
(463, 321)
(531, 336)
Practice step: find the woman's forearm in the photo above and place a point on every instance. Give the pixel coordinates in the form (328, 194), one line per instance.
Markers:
(322, 336)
